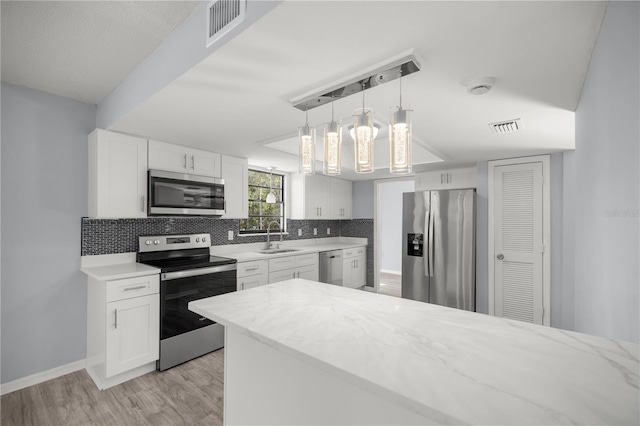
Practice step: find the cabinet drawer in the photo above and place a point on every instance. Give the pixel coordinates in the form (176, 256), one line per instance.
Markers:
(307, 259)
(257, 267)
(356, 251)
(132, 287)
(360, 251)
(282, 263)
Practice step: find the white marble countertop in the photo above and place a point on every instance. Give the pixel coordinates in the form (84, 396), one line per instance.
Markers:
(452, 366)
(119, 270)
(249, 252)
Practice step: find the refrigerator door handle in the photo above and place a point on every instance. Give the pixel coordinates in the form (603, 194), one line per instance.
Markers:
(427, 221)
(430, 244)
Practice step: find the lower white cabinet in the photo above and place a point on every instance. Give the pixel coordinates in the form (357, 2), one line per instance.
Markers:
(354, 267)
(252, 274)
(123, 328)
(132, 333)
(289, 267)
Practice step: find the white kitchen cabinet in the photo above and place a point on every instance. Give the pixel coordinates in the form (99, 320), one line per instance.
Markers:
(235, 172)
(320, 197)
(123, 328)
(341, 199)
(117, 177)
(181, 159)
(446, 179)
(354, 267)
(287, 267)
(252, 274)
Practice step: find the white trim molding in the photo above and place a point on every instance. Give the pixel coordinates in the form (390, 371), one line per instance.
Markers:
(41, 377)
(546, 231)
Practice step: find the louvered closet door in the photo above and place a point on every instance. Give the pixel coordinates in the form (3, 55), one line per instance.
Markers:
(518, 242)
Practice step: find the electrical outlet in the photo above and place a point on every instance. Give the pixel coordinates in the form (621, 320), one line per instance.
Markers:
(299, 232)
(328, 231)
(230, 236)
(315, 231)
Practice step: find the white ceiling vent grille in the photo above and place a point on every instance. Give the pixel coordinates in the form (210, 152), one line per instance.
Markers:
(224, 15)
(506, 126)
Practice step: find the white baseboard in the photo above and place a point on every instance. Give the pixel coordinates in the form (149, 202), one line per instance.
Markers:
(43, 376)
(388, 271)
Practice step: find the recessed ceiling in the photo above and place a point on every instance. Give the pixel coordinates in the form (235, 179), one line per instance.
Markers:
(82, 49)
(237, 101)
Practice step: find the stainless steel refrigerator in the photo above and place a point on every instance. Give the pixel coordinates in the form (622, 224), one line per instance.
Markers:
(438, 259)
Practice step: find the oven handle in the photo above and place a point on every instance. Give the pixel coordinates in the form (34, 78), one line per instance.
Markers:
(195, 272)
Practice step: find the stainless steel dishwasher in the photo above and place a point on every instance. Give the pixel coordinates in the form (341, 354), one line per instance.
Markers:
(331, 267)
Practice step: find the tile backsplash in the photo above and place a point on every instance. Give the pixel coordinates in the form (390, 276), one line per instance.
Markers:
(111, 236)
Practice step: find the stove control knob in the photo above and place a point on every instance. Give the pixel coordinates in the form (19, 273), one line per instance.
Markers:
(156, 242)
(148, 242)
(197, 239)
(204, 239)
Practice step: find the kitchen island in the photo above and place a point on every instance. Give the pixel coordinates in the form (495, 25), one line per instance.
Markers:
(302, 352)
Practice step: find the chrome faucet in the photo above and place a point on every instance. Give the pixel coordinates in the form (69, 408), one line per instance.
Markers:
(267, 245)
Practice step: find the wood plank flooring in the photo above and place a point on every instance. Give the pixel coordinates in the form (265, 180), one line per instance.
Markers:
(390, 284)
(189, 394)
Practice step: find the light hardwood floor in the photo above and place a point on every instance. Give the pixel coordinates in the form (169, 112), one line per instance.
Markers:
(390, 284)
(189, 394)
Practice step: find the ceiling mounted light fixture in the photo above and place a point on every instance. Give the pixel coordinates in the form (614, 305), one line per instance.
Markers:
(364, 135)
(400, 138)
(271, 197)
(307, 141)
(332, 146)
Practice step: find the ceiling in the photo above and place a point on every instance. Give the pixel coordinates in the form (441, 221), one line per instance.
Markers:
(238, 100)
(82, 49)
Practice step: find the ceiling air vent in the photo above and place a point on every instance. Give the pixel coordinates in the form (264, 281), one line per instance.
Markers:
(506, 126)
(224, 15)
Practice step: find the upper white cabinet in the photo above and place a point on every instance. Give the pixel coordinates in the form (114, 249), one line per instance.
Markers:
(341, 199)
(117, 175)
(320, 197)
(235, 172)
(180, 159)
(446, 179)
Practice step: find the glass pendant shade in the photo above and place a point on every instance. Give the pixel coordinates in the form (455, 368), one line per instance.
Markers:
(332, 146)
(400, 142)
(307, 138)
(363, 141)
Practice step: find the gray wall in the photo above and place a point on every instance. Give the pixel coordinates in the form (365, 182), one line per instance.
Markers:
(44, 195)
(602, 183)
(390, 238)
(363, 200)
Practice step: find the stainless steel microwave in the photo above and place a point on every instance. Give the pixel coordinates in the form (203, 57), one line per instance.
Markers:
(178, 194)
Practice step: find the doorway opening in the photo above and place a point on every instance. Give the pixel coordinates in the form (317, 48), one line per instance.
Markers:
(388, 234)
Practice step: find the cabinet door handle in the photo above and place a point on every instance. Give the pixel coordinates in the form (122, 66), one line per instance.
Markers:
(193, 163)
(251, 269)
(115, 323)
(320, 211)
(138, 287)
(441, 178)
(142, 204)
(184, 157)
(241, 286)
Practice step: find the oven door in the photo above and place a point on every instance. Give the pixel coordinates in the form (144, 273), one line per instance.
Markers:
(183, 194)
(179, 288)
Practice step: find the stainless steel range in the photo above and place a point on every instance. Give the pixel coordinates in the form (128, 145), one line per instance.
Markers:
(188, 272)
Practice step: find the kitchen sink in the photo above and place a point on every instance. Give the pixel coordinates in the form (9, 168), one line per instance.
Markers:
(276, 251)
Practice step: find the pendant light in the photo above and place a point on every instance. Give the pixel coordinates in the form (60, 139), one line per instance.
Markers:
(364, 135)
(400, 139)
(332, 146)
(271, 197)
(307, 138)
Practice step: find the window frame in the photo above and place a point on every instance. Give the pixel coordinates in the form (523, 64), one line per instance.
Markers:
(269, 218)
